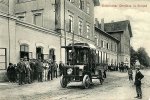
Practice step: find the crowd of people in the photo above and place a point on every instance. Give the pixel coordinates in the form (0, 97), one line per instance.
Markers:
(27, 71)
(120, 67)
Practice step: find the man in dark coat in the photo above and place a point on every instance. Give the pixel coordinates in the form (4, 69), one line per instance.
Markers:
(138, 77)
(55, 66)
(130, 73)
(61, 65)
(9, 72)
(13, 73)
(32, 66)
(39, 65)
(50, 75)
(105, 69)
(21, 71)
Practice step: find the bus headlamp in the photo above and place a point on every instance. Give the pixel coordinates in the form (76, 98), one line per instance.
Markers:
(69, 71)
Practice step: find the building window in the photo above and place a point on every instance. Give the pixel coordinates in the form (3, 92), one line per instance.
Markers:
(24, 51)
(21, 16)
(81, 4)
(80, 27)
(70, 23)
(107, 45)
(3, 57)
(88, 8)
(111, 47)
(37, 19)
(112, 62)
(102, 43)
(88, 30)
(97, 41)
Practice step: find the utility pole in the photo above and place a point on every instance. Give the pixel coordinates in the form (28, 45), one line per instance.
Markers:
(9, 29)
(65, 21)
(65, 29)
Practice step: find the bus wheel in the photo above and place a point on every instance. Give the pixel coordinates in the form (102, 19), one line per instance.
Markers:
(86, 81)
(63, 81)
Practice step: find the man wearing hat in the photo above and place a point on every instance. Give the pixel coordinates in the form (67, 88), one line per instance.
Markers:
(55, 66)
(21, 70)
(28, 70)
(138, 77)
(39, 65)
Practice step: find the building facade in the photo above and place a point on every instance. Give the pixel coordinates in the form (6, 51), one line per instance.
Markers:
(120, 31)
(107, 48)
(27, 30)
(38, 28)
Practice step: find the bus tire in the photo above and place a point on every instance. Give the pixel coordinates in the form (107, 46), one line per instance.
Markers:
(63, 81)
(86, 81)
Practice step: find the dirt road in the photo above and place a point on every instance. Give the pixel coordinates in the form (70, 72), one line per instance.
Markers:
(116, 87)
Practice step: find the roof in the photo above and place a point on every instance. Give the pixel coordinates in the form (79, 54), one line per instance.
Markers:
(106, 34)
(96, 2)
(117, 26)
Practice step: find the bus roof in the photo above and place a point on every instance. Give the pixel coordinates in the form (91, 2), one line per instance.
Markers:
(80, 45)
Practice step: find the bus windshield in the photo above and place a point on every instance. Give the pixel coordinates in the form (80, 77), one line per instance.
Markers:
(77, 56)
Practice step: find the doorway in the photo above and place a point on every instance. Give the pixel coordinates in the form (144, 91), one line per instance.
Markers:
(52, 54)
(39, 53)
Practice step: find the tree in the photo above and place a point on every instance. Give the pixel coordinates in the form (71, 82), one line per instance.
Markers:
(143, 56)
(133, 56)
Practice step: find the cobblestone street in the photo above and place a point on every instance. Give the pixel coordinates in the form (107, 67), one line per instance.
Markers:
(115, 87)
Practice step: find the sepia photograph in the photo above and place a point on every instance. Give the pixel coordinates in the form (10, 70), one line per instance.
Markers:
(74, 50)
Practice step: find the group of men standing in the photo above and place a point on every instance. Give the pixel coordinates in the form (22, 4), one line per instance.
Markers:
(28, 71)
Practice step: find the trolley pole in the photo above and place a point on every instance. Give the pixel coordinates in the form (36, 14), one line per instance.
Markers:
(73, 48)
(73, 51)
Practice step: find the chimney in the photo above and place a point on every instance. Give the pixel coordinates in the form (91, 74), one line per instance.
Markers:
(96, 22)
(102, 24)
(112, 21)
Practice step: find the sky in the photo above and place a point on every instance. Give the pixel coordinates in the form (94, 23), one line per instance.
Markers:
(137, 11)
